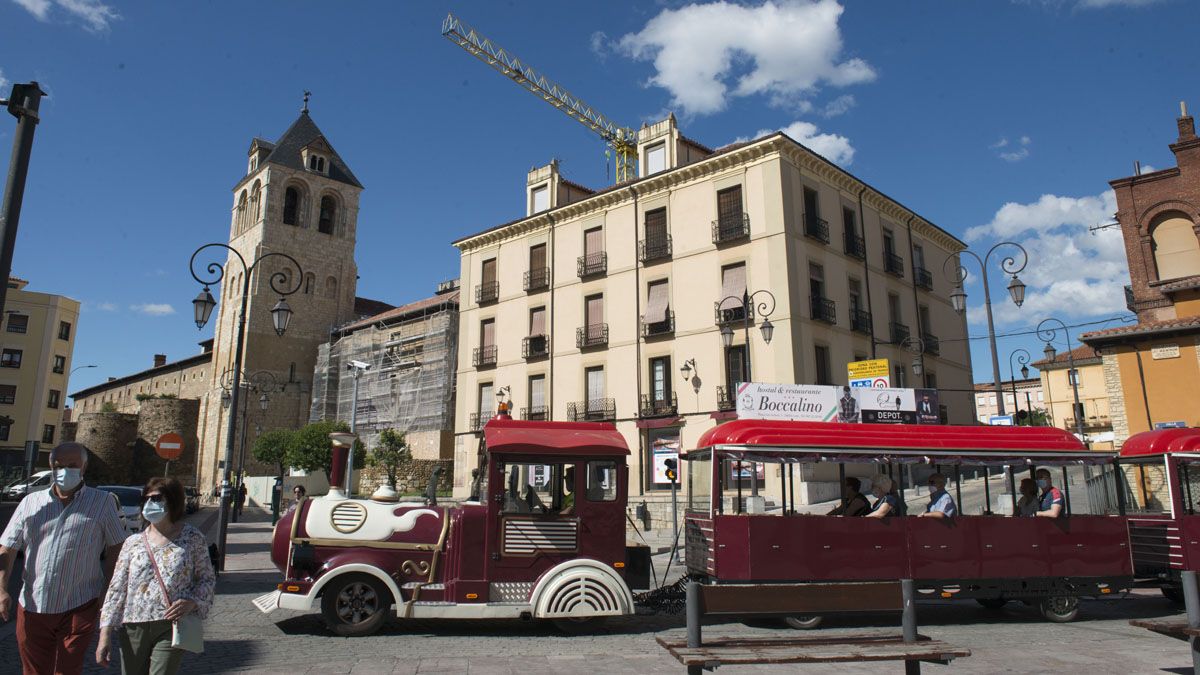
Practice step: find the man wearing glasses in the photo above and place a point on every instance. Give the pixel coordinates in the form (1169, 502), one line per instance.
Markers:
(941, 504)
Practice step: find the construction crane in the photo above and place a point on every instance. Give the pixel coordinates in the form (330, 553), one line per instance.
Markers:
(622, 141)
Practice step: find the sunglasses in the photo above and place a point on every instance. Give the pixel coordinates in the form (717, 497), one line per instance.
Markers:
(157, 499)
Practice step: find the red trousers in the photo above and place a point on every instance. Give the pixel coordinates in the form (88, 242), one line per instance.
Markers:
(56, 644)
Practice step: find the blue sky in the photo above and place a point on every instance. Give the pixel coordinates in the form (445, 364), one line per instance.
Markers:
(993, 119)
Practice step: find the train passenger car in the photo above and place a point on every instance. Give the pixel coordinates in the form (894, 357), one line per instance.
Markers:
(1161, 471)
(982, 555)
(543, 537)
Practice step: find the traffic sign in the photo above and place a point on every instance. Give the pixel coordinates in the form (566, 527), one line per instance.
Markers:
(872, 373)
(169, 446)
(1001, 420)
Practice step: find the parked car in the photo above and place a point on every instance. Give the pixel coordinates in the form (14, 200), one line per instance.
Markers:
(41, 480)
(7, 485)
(193, 499)
(131, 505)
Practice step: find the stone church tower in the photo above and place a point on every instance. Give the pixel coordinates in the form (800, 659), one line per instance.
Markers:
(298, 198)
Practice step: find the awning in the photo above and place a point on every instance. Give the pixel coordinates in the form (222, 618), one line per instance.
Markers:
(733, 284)
(1162, 441)
(656, 304)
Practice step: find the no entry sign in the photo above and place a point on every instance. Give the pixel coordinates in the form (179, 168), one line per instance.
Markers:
(169, 446)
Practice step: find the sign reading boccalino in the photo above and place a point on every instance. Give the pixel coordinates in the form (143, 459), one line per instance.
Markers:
(872, 373)
(809, 403)
(826, 403)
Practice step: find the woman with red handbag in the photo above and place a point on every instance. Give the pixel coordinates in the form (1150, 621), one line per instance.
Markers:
(161, 590)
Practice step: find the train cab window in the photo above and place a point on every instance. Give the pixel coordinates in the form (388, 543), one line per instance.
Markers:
(535, 488)
(602, 481)
(1146, 488)
(699, 482)
(1189, 487)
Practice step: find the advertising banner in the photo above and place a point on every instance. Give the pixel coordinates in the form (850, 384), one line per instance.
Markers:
(872, 373)
(838, 403)
(928, 408)
(887, 406)
(800, 402)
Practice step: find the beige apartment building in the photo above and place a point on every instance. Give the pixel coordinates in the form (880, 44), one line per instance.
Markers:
(609, 305)
(35, 363)
(1058, 380)
(1029, 396)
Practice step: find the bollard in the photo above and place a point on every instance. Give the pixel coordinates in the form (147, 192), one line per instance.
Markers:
(1191, 600)
(694, 616)
(908, 622)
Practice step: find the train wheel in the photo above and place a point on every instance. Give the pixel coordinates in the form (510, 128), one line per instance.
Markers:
(1060, 608)
(992, 603)
(582, 626)
(1172, 593)
(804, 622)
(355, 604)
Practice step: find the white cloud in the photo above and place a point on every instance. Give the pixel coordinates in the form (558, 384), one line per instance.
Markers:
(3, 83)
(153, 309)
(94, 14)
(599, 44)
(839, 106)
(1072, 272)
(1020, 149)
(705, 54)
(833, 147)
(1101, 4)
(106, 306)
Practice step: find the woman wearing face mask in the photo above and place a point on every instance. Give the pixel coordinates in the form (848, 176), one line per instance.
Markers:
(887, 504)
(1027, 505)
(168, 558)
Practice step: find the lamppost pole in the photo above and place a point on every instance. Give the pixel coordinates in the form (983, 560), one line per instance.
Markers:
(1022, 359)
(1016, 290)
(1048, 333)
(281, 315)
(24, 104)
(750, 306)
(916, 346)
(265, 382)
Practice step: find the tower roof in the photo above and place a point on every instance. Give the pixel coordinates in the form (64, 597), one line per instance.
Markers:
(300, 135)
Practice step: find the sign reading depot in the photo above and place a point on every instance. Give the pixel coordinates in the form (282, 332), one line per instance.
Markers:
(826, 403)
(872, 373)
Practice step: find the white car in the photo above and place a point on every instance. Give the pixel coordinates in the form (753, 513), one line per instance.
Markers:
(38, 481)
(131, 505)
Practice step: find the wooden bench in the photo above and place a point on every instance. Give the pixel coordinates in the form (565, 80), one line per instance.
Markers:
(738, 600)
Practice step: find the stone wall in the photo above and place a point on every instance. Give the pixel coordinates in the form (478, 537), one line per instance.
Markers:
(1116, 399)
(157, 417)
(412, 477)
(111, 438)
(69, 429)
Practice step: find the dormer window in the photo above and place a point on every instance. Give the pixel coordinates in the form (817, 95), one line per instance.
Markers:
(656, 158)
(315, 162)
(253, 164)
(540, 199)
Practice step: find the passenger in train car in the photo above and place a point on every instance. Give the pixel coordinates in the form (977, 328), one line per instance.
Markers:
(1052, 504)
(853, 502)
(941, 504)
(1027, 505)
(887, 504)
(568, 500)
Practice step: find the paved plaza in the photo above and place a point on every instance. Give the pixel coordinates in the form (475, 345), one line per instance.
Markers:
(241, 639)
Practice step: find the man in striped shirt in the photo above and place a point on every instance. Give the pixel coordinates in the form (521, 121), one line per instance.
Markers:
(63, 532)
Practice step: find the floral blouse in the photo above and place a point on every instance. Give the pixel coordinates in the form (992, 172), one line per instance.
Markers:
(134, 595)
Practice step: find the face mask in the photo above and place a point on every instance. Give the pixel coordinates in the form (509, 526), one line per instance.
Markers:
(1043, 483)
(153, 512)
(68, 479)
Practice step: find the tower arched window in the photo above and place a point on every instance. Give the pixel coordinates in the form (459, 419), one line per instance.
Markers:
(331, 288)
(309, 282)
(255, 204)
(1176, 247)
(291, 206)
(239, 219)
(328, 215)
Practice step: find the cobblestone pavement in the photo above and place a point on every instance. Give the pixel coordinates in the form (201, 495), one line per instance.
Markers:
(241, 639)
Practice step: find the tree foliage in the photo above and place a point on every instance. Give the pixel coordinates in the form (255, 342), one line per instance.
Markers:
(311, 449)
(273, 448)
(390, 452)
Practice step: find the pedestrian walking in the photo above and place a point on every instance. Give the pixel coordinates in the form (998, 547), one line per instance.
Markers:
(241, 499)
(161, 589)
(63, 531)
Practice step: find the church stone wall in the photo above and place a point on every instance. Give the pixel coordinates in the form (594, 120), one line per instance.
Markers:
(161, 416)
(110, 437)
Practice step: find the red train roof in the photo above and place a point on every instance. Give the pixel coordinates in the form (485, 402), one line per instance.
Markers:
(519, 437)
(926, 437)
(1162, 441)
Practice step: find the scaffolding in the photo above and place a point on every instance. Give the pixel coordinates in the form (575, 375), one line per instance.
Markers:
(410, 384)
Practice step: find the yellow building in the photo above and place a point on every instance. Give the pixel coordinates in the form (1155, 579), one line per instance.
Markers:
(1058, 389)
(610, 304)
(1152, 369)
(37, 342)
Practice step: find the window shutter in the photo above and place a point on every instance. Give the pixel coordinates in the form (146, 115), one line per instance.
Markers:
(593, 241)
(656, 225)
(537, 392)
(729, 203)
(656, 303)
(595, 384)
(733, 284)
(487, 333)
(537, 257)
(537, 321)
(489, 271)
(595, 310)
(485, 399)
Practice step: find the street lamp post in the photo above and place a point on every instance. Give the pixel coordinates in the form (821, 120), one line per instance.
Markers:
(916, 346)
(1023, 359)
(263, 382)
(281, 315)
(1049, 333)
(1016, 289)
(750, 306)
(356, 368)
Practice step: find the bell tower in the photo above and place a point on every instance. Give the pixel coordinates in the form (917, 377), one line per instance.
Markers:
(299, 199)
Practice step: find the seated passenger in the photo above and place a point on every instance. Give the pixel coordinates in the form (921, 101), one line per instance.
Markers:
(1027, 505)
(853, 502)
(1051, 504)
(941, 504)
(568, 500)
(887, 504)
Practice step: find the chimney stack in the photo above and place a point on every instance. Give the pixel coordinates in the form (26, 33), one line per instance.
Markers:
(160, 360)
(1187, 126)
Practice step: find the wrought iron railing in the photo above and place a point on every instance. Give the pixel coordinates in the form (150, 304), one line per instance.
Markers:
(594, 410)
(899, 332)
(893, 263)
(537, 279)
(824, 309)
(816, 228)
(592, 264)
(860, 321)
(656, 328)
(923, 277)
(1129, 299)
(855, 245)
(595, 335)
(730, 313)
(654, 248)
(658, 407)
(932, 344)
(487, 292)
(731, 228)
(477, 421)
(536, 413)
(535, 346)
(484, 356)
(725, 398)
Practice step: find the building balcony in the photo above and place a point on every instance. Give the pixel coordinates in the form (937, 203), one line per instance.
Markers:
(725, 400)
(1090, 422)
(860, 321)
(654, 250)
(658, 407)
(659, 328)
(816, 228)
(487, 292)
(856, 246)
(595, 335)
(1129, 301)
(932, 344)
(898, 332)
(592, 264)
(923, 277)
(535, 346)
(477, 421)
(729, 229)
(537, 413)
(730, 313)
(537, 279)
(484, 357)
(894, 264)
(594, 410)
(824, 309)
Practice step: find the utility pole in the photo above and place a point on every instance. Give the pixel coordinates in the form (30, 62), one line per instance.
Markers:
(23, 104)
